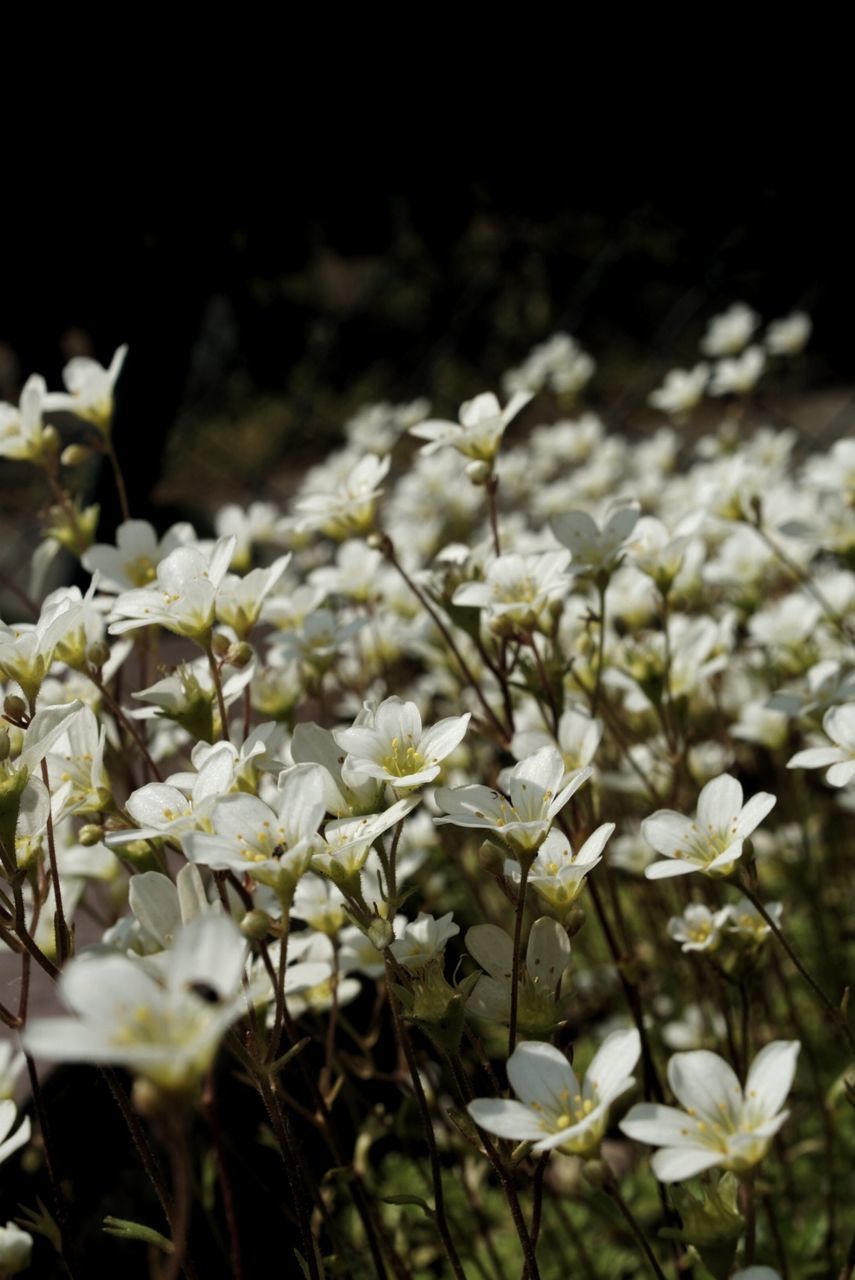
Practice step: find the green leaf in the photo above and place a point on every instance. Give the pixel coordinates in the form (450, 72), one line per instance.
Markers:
(405, 1199)
(136, 1231)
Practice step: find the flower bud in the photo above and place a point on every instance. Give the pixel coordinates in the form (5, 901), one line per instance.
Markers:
(50, 440)
(98, 654)
(90, 833)
(574, 921)
(255, 925)
(597, 1173)
(381, 934)
(220, 644)
(239, 655)
(479, 472)
(5, 745)
(73, 455)
(147, 1098)
(14, 706)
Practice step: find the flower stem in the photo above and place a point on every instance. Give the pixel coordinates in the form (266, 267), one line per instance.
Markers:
(836, 1014)
(525, 866)
(218, 687)
(611, 1189)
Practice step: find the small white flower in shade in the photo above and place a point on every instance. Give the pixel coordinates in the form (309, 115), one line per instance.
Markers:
(390, 744)
(162, 810)
(721, 1125)
(698, 928)
(544, 976)
(696, 1028)
(839, 725)
(22, 433)
(738, 375)
(182, 596)
(479, 432)
(8, 1116)
(519, 588)
(594, 549)
(745, 922)
(555, 1109)
(89, 389)
(681, 391)
(166, 1028)
(133, 561)
(712, 841)
(558, 874)
(538, 791)
(16, 1247)
(423, 940)
(729, 332)
(789, 336)
(315, 976)
(578, 738)
(255, 524)
(320, 904)
(343, 850)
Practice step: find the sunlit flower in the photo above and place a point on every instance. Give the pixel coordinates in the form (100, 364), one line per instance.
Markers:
(839, 726)
(721, 1125)
(712, 841)
(390, 744)
(479, 432)
(90, 389)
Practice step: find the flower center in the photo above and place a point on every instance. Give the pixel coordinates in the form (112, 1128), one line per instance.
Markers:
(404, 759)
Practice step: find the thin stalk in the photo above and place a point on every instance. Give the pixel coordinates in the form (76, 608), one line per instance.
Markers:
(421, 1101)
(126, 723)
(833, 1011)
(218, 687)
(626, 1213)
(749, 1207)
(63, 936)
(525, 867)
(601, 646)
(110, 451)
(226, 1188)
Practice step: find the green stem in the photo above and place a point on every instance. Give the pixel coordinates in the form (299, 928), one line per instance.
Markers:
(525, 867)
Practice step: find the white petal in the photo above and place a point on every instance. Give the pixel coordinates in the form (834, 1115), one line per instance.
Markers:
(613, 1063)
(667, 832)
(719, 803)
(506, 1119)
(704, 1082)
(540, 1073)
(673, 1164)
(770, 1077)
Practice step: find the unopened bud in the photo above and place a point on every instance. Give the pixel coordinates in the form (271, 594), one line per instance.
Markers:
(89, 834)
(491, 858)
(240, 655)
(73, 455)
(597, 1173)
(479, 472)
(98, 654)
(220, 644)
(255, 925)
(50, 439)
(14, 706)
(574, 922)
(147, 1099)
(5, 745)
(381, 934)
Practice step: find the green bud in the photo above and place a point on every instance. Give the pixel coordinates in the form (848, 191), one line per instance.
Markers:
(98, 654)
(597, 1173)
(14, 706)
(479, 472)
(89, 834)
(574, 921)
(239, 655)
(73, 455)
(255, 926)
(220, 644)
(381, 934)
(5, 745)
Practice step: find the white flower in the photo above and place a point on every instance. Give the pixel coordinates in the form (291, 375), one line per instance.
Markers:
(712, 842)
(681, 391)
(578, 738)
(519, 588)
(698, 928)
(16, 1246)
(728, 333)
(739, 375)
(544, 976)
(479, 432)
(789, 336)
(8, 1116)
(343, 849)
(839, 726)
(182, 597)
(721, 1125)
(163, 811)
(167, 1030)
(556, 1110)
(134, 559)
(349, 508)
(537, 790)
(423, 940)
(274, 846)
(89, 389)
(746, 922)
(22, 433)
(239, 600)
(595, 550)
(390, 744)
(558, 874)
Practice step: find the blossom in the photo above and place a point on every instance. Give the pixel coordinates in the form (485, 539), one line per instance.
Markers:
(22, 433)
(347, 509)
(166, 1028)
(558, 874)
(479, 432)
(789, 336)
(712, 842)
(423, 940)
(16, 1247)
(578, 737)
(721, 1124)
(134, 559)
(595, 549)
(390, 744)
(681, 391)
(556, 1110)
(839, 725)
(543, 982)
(239, 600)
(8, 1116)
(89, 389)
(518, 588)
(538, 791)
(728, 333)
(698, 928)
(739, 375)
(182, 595)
